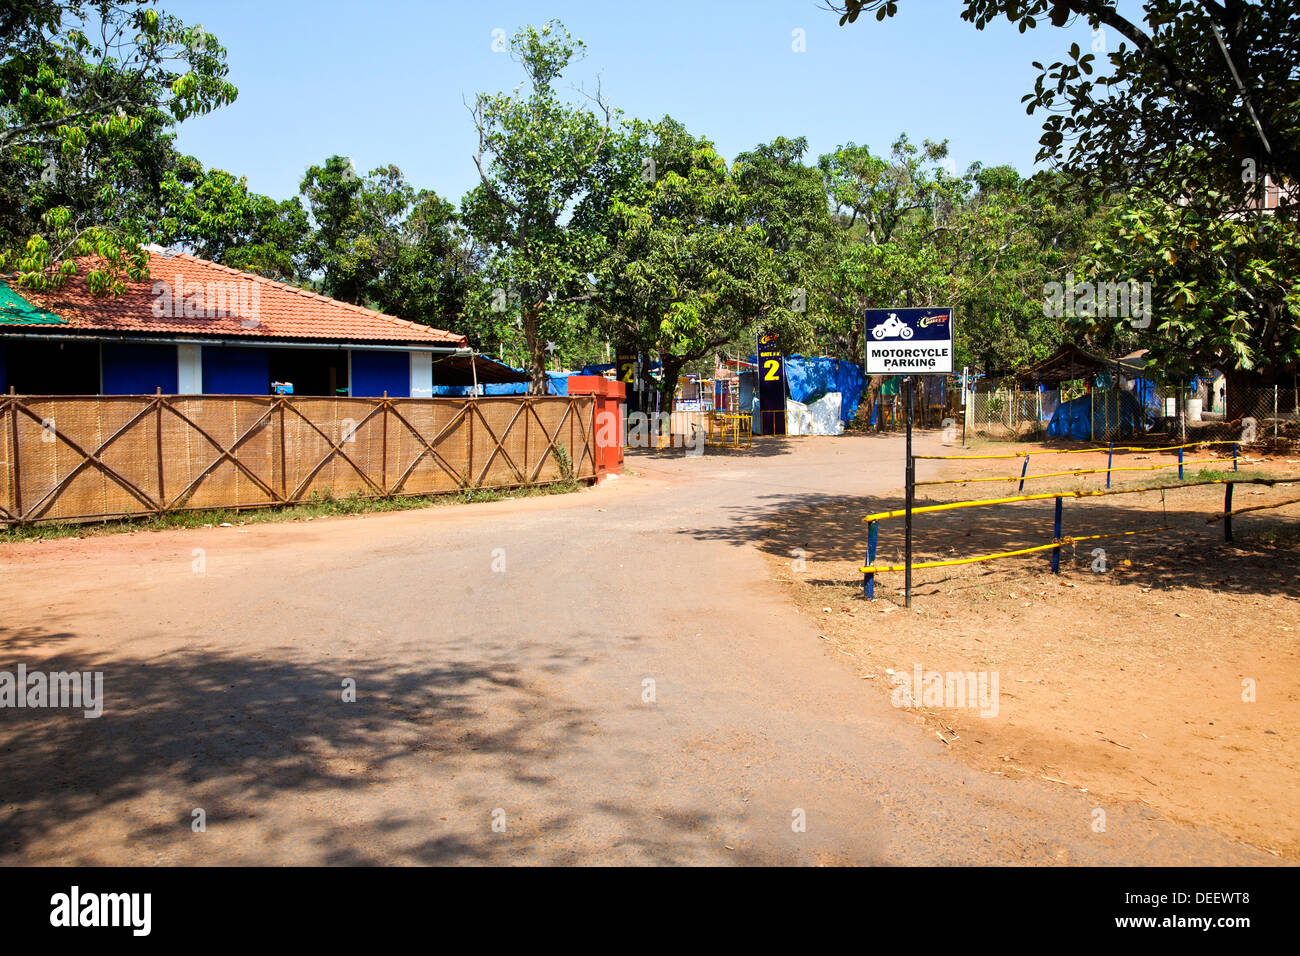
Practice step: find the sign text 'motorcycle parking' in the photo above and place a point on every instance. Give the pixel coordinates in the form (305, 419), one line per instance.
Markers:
(909, 341)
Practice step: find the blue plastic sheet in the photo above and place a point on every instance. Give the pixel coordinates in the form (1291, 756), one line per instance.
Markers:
(1074, 419)
(557, 383)
(809, 378)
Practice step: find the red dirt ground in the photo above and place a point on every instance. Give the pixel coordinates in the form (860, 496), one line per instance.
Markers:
(1126, 683)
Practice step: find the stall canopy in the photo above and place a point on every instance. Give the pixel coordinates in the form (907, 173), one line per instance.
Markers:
(464, 369)
(1068, 363)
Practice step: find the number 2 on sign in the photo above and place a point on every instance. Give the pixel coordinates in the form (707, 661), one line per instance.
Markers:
(773, 367)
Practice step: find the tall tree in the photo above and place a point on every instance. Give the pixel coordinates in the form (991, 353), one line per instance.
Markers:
(786, 199)
(213, 214)
(1220, 75)
(537, 159)
(380, 242)
(89, 93)
(1193, 109)
(686, 270)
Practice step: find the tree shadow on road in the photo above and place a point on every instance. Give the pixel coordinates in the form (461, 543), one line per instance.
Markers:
(267, 744)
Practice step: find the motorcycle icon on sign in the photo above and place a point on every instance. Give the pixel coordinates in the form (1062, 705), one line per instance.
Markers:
(892, 326)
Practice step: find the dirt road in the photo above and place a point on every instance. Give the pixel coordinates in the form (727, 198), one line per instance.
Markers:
(606, 677)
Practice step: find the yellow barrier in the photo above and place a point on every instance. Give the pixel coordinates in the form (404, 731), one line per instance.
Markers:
(739, 425)
(1067, 540)
(1073, 451)
(870, 570)
(1043, 496)
(1080, 471)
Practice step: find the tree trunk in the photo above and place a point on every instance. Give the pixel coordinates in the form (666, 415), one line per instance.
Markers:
(671, 370)
(536, 349)
(1238, 382)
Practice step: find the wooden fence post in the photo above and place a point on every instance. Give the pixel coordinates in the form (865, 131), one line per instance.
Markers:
(18, 472)
(383, 468)
(162, 499)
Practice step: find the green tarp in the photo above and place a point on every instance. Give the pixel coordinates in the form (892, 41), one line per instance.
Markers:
(15, 310)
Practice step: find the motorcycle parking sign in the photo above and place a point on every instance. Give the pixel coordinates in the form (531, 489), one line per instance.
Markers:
(909, 341)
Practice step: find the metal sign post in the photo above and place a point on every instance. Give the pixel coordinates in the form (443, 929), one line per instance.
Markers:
(910, 485)
(910, 342)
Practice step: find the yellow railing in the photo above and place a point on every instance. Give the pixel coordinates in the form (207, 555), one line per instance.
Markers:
(871, 569)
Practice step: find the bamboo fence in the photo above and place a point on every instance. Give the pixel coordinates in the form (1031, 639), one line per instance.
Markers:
(81, 458)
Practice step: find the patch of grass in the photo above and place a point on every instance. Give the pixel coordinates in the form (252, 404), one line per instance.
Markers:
(563, 461)
(1277, 537)
(319, 505)
(1209, 474)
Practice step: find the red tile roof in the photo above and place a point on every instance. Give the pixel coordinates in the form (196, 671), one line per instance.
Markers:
(188, 296)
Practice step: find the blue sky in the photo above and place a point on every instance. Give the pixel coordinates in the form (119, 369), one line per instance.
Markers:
(386, 82)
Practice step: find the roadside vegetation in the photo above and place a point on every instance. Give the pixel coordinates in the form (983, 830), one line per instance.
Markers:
(318, 506)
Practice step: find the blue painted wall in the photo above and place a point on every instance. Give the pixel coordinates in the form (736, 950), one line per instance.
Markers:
(374, 373)
(139, 369)
(235, 371)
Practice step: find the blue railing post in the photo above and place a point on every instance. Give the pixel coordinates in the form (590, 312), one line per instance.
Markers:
(1023, 471)
(1235, 455)
(869, 579)
(1227, 513)
(1110, 460)
(1056, 536)
(1180, 462)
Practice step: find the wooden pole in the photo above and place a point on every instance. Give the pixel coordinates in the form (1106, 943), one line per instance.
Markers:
(18, 472)
(383, 467)
(158, 422)
(284, 462)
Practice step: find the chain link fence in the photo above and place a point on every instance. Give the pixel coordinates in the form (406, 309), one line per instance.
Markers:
(1268, 414)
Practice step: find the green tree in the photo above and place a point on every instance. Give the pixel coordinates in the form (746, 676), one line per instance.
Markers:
(213, 214)
(1225, 290)
(379, 242)
(89, 92)
(1193, 109)
(786, 199)
(537, 160)
(687, 268)
(1218, 74)
(889, 213)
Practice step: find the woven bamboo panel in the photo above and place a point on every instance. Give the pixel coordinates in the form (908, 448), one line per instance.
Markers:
(82, 458)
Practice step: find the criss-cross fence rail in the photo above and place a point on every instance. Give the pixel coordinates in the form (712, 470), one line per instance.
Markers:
(78, 458)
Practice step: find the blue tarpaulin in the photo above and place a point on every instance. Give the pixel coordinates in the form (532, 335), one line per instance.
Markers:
(808, 379)
(1074, 419)
(557, 384)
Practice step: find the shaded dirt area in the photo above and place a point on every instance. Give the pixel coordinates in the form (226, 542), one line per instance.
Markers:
(1129, 676)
